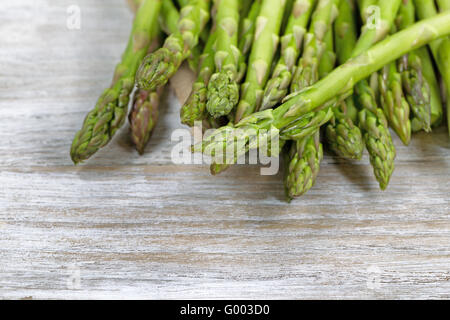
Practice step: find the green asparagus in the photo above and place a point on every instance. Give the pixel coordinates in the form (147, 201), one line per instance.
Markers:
(304, 160)
(415, 85)
(307, 70)
(306, 153)
(247, 29)
(379, 144)
(158, 67)
(263, 50)
(223, 88)
(394, 103)
(435, 93)
(194, 109)
(343, 136)
(110, 111)
(440, 48)
(143, 117)
(291, 42)
(331, 89)
(443, 57)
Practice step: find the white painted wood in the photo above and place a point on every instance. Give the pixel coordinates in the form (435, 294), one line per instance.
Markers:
(141, 227)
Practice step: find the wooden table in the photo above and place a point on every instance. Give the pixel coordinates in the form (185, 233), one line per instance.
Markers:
(126, 226)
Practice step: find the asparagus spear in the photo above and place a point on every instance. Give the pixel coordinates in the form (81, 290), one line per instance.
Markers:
(144, 112)
(247, 29)
(291, 43)
(307, 70)
(143, 117)
(110, 111)
(345, 32)
(306, 153)
(376, 134)
(261, 56)
(435, 93)
(343, 136)
(194, 109)
(388, 11)
(329, 58)
(304, 158)
(444, 60)
(223, 88)
(415, 85)
(395, 106)
(327, 92)
(379, 144)
(158, 67)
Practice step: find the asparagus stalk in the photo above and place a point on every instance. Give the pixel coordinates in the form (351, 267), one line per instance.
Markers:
(143, 117)
(158, 67)
(372, 121)
(291, 43)
(144, 112)
(394, 103)
(435, 93)
(324, 94)
(343, 136)
(304, 160)
(444, 5)
(415, 85)
(194, 109)
(364, 7)
(247, 29)
(110, 111)
(261, 56)
(440, 48)
(223, 88)
(388, 11)
(307, 70)
(379, 144)
(345, 30)
(444, 60)
(306, 153)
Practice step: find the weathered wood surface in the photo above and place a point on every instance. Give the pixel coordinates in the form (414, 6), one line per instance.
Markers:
(125, 226)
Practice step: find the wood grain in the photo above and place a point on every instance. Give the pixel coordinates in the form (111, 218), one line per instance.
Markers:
(125, 226)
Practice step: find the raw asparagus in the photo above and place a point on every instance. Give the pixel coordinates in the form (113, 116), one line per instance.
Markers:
(394, 103)
(379, 144)
(194, 109)
(331, 89)
(305, 154)
(158, 67)
(223, 88)
(444, 60)
(143, 117)
(307, 70)
(110, 111)
(263, 50)
(291, 43)
(415, 85)
(303, 166)
(247, 28)
(376, 133)
(388, 11)
(440, 48)
(435, 93)
(343, 136)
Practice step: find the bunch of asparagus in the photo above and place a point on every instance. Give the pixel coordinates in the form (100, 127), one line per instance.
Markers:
(314, 74)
